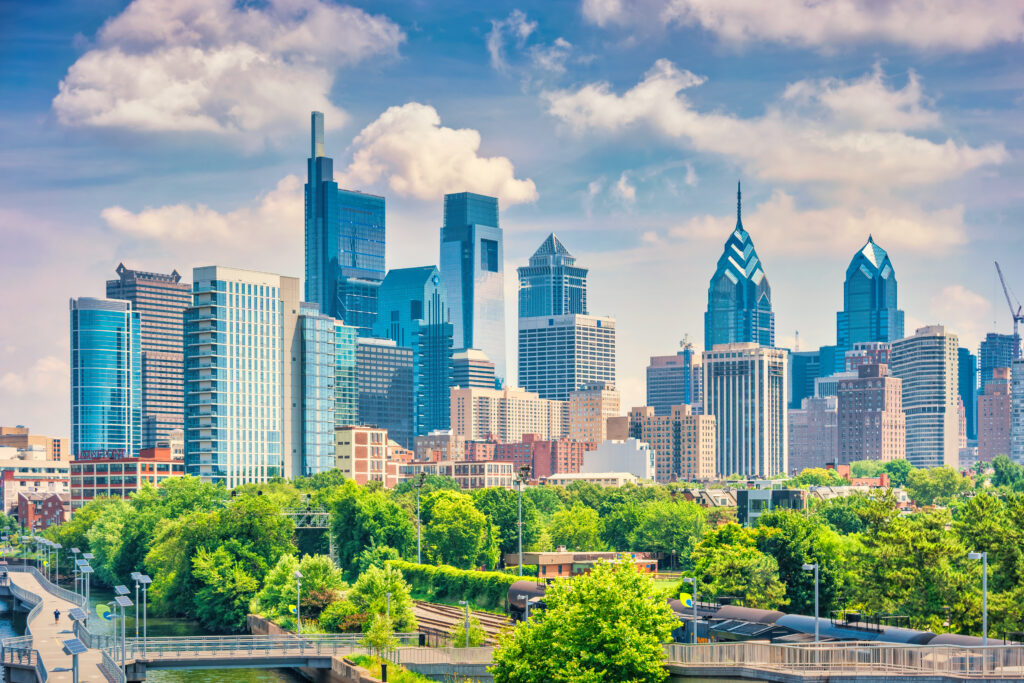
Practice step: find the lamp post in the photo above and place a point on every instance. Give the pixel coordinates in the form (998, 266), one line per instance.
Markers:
(524, 475)
(421, 478)
(298, 601)
(135, 578)
(86, 571)
(387, 599)
(145, 581)
(814, 568)
(984, 593)
(74, 557)
(693, 580)
(466, 603)
(57, 547)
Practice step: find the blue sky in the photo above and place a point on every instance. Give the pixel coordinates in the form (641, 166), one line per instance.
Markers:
(174, 134)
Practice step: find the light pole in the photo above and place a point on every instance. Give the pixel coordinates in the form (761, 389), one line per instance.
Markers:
(466, 603)
(74, 556)
(387, 599)
(421, 478)
(298, 601)
(57, 547)
(814, 568)
(86, 570)
(693, 599)
(135, 578)
(984, 593)
(145, 581)
(524, 475)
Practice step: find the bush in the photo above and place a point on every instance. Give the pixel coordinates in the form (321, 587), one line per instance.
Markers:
(445, 583)
(341, 616)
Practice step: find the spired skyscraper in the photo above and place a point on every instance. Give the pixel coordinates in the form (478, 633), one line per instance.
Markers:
(344, 242)
(552, 284)
(869, 303)
(473, 273)
(739, 296)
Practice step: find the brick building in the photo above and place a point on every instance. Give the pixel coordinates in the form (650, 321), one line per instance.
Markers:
(121, 477)
(872, 425)
(39, 510)
(994, 408)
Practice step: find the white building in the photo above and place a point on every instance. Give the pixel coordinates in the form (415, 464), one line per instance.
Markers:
(559, 354)
(631, 456)
(478, 414)
(28, 470)
(927, 363)
(599, 478)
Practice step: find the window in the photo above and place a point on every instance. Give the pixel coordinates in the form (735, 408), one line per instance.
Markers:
(489, 256)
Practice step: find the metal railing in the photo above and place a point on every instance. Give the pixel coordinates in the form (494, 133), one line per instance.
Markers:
(444, 655)
(1005, 661)
(49, 586)
(111, 670)
(216, 647)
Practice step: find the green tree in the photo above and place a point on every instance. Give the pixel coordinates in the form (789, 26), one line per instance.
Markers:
(477, 634)
(865, 468)
(361, 518)
(501, 506)
(374, 556)
(605, 626)
(617, 532)
(666, 526)
(728, 563)
(937, 485)
(456, 533)
(225, 590)
(321, 584)
(1006, 473)
(818, 476)
(578, 528)
(369, 595)
(379, 636)
(544, 498)
(342, 616)
(843, 515)
(898, 471)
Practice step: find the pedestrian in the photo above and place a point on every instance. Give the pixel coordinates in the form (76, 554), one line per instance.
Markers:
(56, 616)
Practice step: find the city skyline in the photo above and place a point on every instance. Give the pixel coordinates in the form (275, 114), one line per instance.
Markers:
(562, 152)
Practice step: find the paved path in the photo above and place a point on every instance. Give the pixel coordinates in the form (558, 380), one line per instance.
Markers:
(47, 636)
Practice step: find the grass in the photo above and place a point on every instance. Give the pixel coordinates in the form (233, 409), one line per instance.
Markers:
(396, 673)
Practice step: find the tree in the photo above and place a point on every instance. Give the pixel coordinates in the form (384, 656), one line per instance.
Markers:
(380, 635)
(842, 514)
(456, 533)
(937, 485)
(369, 595)
(578, 528)
(361, 518)
(544, 498)
(818, 476)
(279, 589)
(225, 590)
(866, 468)
(619, 525)
(477, 634)
(321, 585)
(666, 526)
(728, 563)
(375, 556)
(1006, 472)
(501, 506)
(342, 616)
(606, 625)
(898, 471)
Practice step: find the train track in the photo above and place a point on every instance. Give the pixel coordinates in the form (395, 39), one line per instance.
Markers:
(439, 620)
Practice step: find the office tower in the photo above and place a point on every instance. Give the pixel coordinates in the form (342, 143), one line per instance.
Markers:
(927, 364)
(559, 354)
(160, 300)
(345, 233)
(506, 414)
(994, 410)
(739, 296)
(870, 312)
(829, 385)
(813, 434)
(967, 386)
(552, 284)
(385, 371)
(472, 368)
(804, 368)
(317, 395)
(684, 442)
(872, 425)
(243, 377)
(831, 359)
(745, 388)
(473, 273)
(672, 380)
(106, 379)
(995, 351)
(413, 311)
(346, 380)
(590, 406)
(1017, 411)
(867, 353)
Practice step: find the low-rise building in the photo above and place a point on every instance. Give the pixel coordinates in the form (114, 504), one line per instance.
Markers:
(469, 474)
(28, 470)
(20, 438)
(598, 478)
(631, 456)
(39, 510)
(440, 445)
(562, 562)
(751, 504)
(360, 453)
(121, 477)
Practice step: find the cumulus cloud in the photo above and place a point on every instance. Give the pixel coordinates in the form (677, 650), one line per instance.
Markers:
(964, 312)
(219, 67)
(423, 159)
(821, 131)
(958, 25)
(625, 190)
(48, 377)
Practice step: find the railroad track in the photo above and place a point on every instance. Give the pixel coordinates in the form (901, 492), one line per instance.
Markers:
(440, 619)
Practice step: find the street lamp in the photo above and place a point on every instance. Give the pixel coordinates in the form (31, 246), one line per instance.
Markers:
(87, 571)
(298, 601)
(466, 603)
(814, 568)
(145, 581)
(57, 547)
(418, 482)
(984, 593)
(122, 601)
(693, 580)
(524, 475)
(135, 577)
(74, 556)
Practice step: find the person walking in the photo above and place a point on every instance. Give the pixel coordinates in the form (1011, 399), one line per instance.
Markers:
(56, 616)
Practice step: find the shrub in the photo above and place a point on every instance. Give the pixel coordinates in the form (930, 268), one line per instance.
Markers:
(445, 583)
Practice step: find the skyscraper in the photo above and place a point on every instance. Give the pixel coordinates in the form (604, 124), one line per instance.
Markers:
(870, 312)
(345, 233)
(927, 363)
(872, 425)
(995, 351)
(473, 273)
(671, 380)
(739, 296)
(804, 368)
(318, 390)
(561, 353)
(413, 311)
(967, 385)
(552, 284)
(994, 417)
(590, 406)
(472, 368)
(1017, 411)
(160, 300)
(384, 371)
(813, 433)
(106, 379)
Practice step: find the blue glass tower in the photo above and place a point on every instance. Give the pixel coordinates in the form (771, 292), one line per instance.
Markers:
(413, 311)
(967, 385)
(739, 296)
(995, 351)
(345, 233)
(869, 302)
(318, 390)
(106, 379)
(473, 272)
(552, 284)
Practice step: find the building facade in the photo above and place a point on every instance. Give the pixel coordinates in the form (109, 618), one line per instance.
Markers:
(361, 453)
(1017, 411)
(745, 388)
(472, 368)
(673, 380)
(38, 510)
(506, 414)
(385, 394)
(559, 354)
(995, 351)
(872, 425)
(866, 353)
(19, 437)
(441, 445)
(28, 470)
(553, 456)
(870, 311)
(93, 478)
(804, 368)
(631, 455)
(552, 284)
(967, 386)
(927, 364)
(106, 378)
(994, 411)
(590, 406)
(684, 442)
(813, 434)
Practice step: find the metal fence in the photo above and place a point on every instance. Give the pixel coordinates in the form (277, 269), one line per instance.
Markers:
(49, 586)
(111, 670)
(446, 655)
(215, 647)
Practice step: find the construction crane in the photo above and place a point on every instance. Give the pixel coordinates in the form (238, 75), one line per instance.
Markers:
(1017, 313)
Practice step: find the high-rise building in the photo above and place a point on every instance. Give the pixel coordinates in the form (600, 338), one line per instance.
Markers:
(995, 351)
(673, 380)
(813, 434)
(994, 411)
(927, 363)
(385, 387)
(106, 379)
(414, 312)
(870, 312)
(473, 273)
(590, 406)
(1017, 411)
(804, 368)
(684, 442)
(745, 388)
(739, 296)
(160, 300)
(345, 233)
(559, 354)
(867, 353)
(552, 284)
(872, 425)
(967, 386)
(506, 414)
(472, 368)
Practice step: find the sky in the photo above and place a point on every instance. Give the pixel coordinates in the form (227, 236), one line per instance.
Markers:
(169, 134)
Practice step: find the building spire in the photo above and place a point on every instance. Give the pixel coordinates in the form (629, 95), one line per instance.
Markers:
(739, 203)
(316, 134)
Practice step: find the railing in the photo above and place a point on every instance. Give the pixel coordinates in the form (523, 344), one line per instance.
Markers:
(51, 588)
(446, 655)
(111, 671)
(313, 645)
(1005, 661)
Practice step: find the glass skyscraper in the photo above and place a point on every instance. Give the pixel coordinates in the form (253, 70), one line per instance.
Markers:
(552, 284)
(995, 351)
(318, 390)
(472, 269)
(385, 371)
(869, 302)
(559, 354)
(670, 380)
(739, 296)
(106, 379)
(967, 385)
(345, 233)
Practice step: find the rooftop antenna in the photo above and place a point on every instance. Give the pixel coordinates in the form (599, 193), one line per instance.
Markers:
(686, 343)
(796, 345)
(739, 203)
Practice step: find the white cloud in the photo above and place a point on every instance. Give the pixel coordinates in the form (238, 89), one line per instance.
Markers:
(217, 67)
(960, 25)
(510, 53)
(625, 190)
(964, 312)
(517, 27)
(423, 159)
(691, 175)
(48, 377)
(818, 133)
